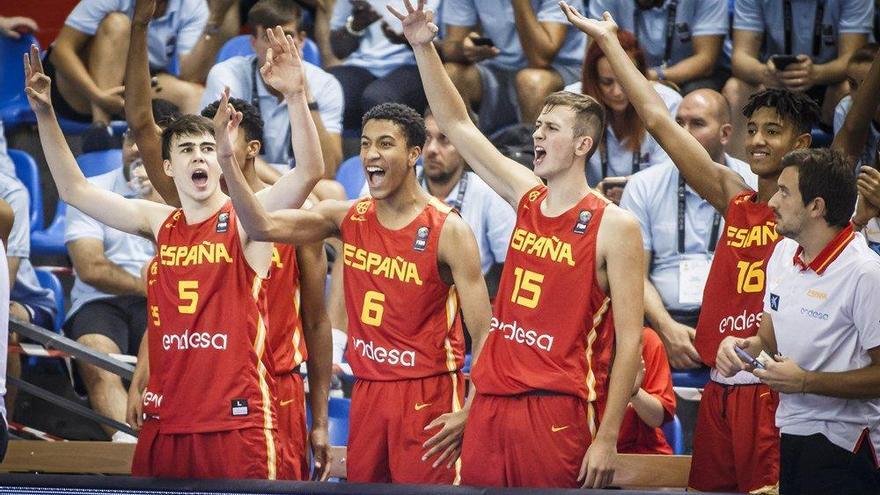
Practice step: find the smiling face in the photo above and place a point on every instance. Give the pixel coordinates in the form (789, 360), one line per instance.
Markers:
(387, 158)
(769, 139)
(193, 165)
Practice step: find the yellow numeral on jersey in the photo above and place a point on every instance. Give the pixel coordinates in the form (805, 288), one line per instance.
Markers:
(154, 312)
(188, 291)
(373, 309)
(526, 288)
(751, 277)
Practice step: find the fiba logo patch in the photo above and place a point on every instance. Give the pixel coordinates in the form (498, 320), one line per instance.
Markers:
(583, 220)
(774, 302)
(421, 239)
(222, 222)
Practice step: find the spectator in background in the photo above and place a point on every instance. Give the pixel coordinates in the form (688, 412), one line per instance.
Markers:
(6, 219)
(29, 301)
(652, 403)
(243, 77)
(377, 64)
(822, 34)
(856, 72)
(625, 147)
(680, 229)
(688, 52)
(109, 306)
(85, 61)
(524, 51)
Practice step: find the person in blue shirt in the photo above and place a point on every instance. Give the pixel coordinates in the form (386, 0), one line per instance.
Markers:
(505, 56)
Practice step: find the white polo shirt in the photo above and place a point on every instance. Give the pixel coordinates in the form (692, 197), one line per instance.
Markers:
(826, 318)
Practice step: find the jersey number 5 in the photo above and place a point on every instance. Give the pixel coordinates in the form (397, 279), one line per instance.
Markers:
(526, 288)
(188, 292)
(373, 309)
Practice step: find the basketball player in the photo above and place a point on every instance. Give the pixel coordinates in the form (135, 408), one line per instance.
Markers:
(217, 414)
(779, 121)
(545, 369)
(296, 275)
(411, 267)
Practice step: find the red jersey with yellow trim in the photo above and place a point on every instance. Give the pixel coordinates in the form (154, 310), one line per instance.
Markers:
(152, 398)
(403, 320)
(733, 300)
(212, 337)
(283, 298)
(552, 328)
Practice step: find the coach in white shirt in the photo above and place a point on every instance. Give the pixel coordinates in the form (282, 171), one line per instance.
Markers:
(822, 322)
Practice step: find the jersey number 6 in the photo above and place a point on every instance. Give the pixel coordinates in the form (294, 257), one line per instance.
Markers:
(373, 309)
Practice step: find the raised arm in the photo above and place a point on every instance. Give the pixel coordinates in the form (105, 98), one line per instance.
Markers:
(458, 250)
(283, 71)
(851, 138)
(287, 226)
(138, 103)
(716, 183)
(508, 178)
(138, 217)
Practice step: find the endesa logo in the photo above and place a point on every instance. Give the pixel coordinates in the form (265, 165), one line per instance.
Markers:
(194, 340)
(151, 398)
(394, 357)
(739, 323)
(812, 313)
(518, 334)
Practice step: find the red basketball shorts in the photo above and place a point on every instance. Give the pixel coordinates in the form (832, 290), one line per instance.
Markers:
(736, 442)
(248, 453)
(292, 427)
(525, 441)
(386, 432)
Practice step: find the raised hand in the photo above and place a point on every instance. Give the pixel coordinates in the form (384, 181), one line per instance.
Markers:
(283, 69)
(593, 28)
(226, 124)
(418, 23)
(37, 83)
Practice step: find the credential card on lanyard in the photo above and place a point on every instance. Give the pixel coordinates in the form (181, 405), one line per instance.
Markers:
(692, 273)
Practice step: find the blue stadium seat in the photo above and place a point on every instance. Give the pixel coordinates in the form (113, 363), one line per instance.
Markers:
(48, 280)
(351, 175)
(99, 162)
(821, 139)
(337, 419)
(240, 46)
(691, 378)
(50, 241)
(27, 172)
(14, 108)
(674, 435)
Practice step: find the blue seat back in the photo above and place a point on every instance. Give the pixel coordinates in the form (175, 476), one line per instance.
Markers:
(240, 46)
(351, 175)
(48, 280)
(337, 420)
(27, 172)
(12, 74)
(674, 435)
(99, 162)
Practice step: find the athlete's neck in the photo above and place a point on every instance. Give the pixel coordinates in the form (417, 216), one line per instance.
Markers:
(199, 211)
(564, 191)
(441, 187)
(767, 187)
(400, 207)
(814, 239)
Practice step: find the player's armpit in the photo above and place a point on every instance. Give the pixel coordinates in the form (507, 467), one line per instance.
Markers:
(301, 226)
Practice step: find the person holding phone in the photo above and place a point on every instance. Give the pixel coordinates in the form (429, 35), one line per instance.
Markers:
(806, 46)
(822, 325)
(523, 51)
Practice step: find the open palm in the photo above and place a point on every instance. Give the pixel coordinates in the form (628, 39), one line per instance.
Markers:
(418, 23)
(593, 28)
(283, 69)
(37, 83)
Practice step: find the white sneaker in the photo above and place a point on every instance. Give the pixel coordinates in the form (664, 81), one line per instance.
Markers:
(123, 437)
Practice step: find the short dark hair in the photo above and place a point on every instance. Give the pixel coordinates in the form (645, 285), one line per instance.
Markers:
(410, 122)
(271, 13)
(182, 126)
(825, 173)
(251, 121)
(797, 108)
(164, 111)
(865, 54)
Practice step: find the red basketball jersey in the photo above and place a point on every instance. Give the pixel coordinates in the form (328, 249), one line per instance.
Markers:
(152, 398)
(217, 370)
(552, 327)
(403, 320)
(283, 298)
(733, 300)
